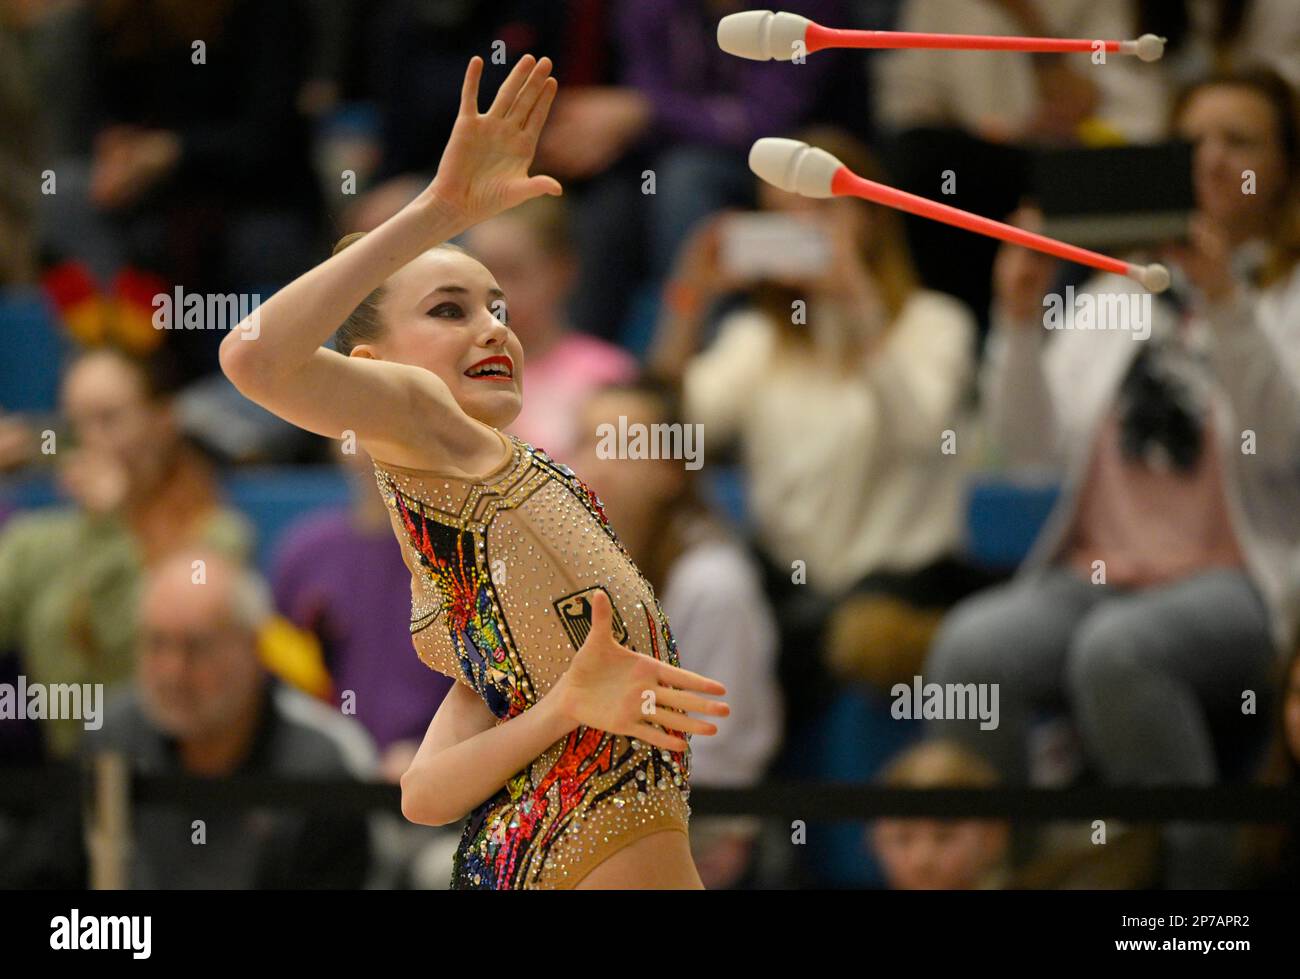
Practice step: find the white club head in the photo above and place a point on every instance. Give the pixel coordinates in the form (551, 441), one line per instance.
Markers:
(794, 166)
(1154, 277)
(1148, 47)
(762, 35)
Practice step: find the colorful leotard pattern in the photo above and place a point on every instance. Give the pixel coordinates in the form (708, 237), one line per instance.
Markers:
(501, 573)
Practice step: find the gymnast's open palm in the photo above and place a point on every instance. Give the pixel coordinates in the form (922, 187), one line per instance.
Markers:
(612, 688)
(484, 168)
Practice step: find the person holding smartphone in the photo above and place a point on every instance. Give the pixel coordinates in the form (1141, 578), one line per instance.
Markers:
(836, 377)
(1157, 599)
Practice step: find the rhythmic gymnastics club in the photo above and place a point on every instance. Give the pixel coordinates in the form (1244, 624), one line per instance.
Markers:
(802, 169)
(763, 35)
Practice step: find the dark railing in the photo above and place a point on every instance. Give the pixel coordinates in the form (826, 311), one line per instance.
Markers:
(31, 789)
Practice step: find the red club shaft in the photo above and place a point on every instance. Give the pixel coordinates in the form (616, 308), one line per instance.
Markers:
(847, 182)
(818, 38)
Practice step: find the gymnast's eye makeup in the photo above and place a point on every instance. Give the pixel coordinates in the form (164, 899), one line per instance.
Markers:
(447, 311)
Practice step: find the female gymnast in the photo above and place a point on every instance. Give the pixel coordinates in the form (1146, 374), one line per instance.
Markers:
(566, 739)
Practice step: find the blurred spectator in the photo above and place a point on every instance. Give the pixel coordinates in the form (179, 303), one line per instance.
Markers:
(699, 112)
(531, 255)
(957, 118)
(966, 854)
(420, 48)
(199, 170)
(424, 46)
(203, 705)
(1007, 96)
(339, 574)
(68, 575)
(680, 116)
(840, 421)
(940, 854)
(1160, 588)
(18, 442)
(711, 591)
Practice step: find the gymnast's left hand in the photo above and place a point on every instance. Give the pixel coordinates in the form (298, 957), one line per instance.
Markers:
(611, 688)
(484, 168)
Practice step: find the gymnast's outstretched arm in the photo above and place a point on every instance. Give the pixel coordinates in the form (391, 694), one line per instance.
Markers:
(275, 357)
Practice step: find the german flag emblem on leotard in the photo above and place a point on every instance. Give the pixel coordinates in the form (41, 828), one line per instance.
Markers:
(575, 615)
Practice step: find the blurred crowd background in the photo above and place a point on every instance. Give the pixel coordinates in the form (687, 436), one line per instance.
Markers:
(915, 479)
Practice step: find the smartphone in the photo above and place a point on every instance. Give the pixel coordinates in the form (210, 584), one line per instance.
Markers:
(760, 244)
(1114, 198)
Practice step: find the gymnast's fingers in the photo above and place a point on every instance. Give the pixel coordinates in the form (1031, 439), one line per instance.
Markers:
(469, 88)
(681, 700)
(675, 676)
(541, 108)
(650, 734)
(510, 87)
(675, 720)
(528, 94)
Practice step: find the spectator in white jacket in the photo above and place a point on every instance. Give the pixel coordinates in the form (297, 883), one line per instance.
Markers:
(838, 389)
(709, 587)
(1158, 597)
(1008, 96)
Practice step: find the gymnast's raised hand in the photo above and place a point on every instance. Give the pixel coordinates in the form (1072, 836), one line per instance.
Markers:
(401, 393)
(484, 168)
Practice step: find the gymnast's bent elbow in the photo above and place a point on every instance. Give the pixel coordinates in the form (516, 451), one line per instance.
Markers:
(423, 804)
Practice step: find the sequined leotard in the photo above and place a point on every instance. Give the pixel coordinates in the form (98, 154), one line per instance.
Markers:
(501, 569)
